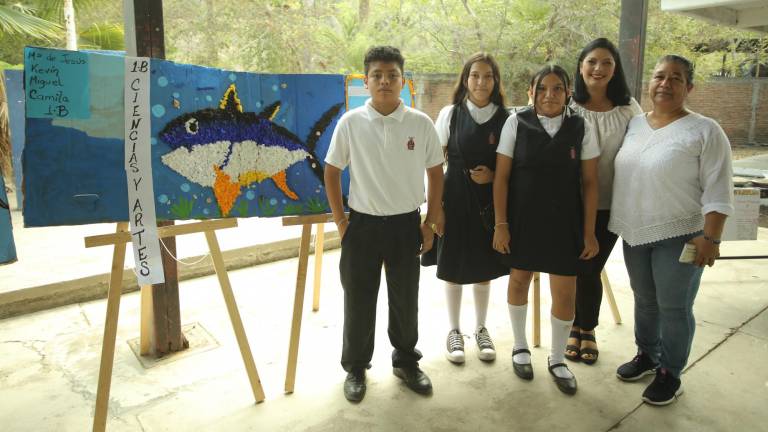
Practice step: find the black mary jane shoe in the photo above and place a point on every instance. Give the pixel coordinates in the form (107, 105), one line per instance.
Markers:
(565, 385)
(522, 370)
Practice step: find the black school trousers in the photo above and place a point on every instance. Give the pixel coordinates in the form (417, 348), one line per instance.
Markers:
(370, 242)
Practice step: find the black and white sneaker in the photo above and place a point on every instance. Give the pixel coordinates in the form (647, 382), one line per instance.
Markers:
(485, 349)
(637, 368)
(455, 346)
(664, 389)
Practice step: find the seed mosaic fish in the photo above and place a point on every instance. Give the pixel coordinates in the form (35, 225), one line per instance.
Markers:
(228, 149)
(224, 143)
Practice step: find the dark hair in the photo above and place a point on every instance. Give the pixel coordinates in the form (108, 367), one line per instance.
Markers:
(383, 53)
(617, 91)
(682, 61)
(546, 70)
(460, 92)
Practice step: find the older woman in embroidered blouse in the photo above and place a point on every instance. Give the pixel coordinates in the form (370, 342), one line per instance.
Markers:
(672, 186)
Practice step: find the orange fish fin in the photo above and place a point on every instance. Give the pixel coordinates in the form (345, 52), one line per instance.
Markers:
(225, 190)
(282, 183)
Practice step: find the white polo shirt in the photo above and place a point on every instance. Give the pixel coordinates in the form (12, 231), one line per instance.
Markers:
(387, 156)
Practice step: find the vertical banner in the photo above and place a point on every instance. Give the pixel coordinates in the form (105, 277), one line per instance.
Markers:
(138, 168)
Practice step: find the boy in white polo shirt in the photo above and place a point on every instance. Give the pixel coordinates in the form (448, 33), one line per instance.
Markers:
(387, 147)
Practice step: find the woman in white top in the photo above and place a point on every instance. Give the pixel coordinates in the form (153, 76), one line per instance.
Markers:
(469, 131)
(601, 97)
(673, 187)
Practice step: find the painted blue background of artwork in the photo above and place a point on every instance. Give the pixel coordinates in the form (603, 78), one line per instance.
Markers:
(74, 169)
(7, 247)
(14, 90)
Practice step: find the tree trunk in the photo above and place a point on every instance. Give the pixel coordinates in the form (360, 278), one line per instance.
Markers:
(69, 24)
(363, 10)
(5, 137)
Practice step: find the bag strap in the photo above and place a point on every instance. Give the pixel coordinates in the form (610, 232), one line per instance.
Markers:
(465, 169)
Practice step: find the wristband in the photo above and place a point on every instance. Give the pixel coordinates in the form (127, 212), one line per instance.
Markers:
(500, 224)
(711, 240)
(340, 221)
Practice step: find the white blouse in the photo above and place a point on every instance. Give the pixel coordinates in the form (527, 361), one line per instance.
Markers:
(589, 147)
(480, 115)
(610, 127)
(669, 178)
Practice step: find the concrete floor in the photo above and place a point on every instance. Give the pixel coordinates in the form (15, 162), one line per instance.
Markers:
(49, 364)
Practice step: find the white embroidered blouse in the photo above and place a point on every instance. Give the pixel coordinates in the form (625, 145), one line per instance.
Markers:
(667, 179)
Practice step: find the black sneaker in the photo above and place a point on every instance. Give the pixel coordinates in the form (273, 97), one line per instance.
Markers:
(664, 388)
(485, 349)
(637, 368)
(454, 345)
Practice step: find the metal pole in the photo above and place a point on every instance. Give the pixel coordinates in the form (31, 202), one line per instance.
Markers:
(634, 19)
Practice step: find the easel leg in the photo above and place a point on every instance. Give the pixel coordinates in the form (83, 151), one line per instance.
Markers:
(234, 315)
(146, 339)
(536, 309)
(110, 333)
(319, 243)
(298, 303)
(609, 294)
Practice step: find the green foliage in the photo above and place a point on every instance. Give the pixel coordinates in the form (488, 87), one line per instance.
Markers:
(293, 209)
(316, 205)
(331, 36)
(183, 208)
(18, 19)
(265, 208)
(106, 36)
(242, 208)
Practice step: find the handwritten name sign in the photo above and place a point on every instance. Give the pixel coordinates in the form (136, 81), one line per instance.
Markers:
(138, 169)
(56, 84)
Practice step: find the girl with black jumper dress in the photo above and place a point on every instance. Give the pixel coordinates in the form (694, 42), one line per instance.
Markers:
(469, 131)
(545, 198)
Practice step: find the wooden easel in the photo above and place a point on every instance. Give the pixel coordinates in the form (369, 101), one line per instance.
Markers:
(301, 279)
(537, 304)
(119, 240)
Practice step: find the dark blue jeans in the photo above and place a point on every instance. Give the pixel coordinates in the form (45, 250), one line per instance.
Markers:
(664, 291)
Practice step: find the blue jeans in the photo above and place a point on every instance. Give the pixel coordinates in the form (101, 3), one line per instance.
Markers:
(664, 291)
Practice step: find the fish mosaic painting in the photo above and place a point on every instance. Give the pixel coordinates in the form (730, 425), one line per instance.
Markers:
(229, 149)
(223, 143)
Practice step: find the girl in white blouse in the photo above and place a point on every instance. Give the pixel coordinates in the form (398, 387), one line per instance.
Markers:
(601, 97)
(469, 131)
(673, 186)
(545, 197)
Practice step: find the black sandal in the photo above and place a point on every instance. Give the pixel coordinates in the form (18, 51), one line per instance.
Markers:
(575, 334)
(589, 351)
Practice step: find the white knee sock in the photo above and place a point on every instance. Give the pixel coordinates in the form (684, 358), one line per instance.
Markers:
(560, 331)
(482, 293)
(453, 300)
(517, 316)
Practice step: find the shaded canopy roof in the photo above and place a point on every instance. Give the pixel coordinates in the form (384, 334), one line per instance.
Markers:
(745, 14)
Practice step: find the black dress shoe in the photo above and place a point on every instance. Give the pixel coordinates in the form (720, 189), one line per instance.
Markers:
(415, 379)
(354, 385)
(566, 385)
(522, 370)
